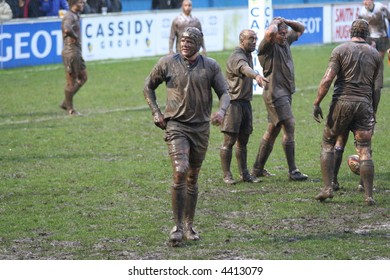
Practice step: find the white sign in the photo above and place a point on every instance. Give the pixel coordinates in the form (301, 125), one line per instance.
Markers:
(126, 36)
(212, 28)
(108, 37)
(260, 17)
(343, 16)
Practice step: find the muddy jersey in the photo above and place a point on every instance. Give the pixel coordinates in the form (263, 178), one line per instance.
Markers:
(240, 86)
(376, 19)
(357, 65)
(278, 67)
(71, 22)
(189, 93)
(180, 23)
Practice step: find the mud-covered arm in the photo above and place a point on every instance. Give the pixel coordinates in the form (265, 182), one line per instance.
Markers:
(296, 26)
(323, 89)
(151, 99)
(250, 73)
(217, 117)
(68, 27)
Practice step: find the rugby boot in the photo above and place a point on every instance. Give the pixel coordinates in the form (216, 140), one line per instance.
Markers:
(248, 178)
(190, 233)
(266, 173)
(73, 112)
(261, 173)
(326, 192)
(296, 175)
(176, 235)
(228, 179)
(369, 200)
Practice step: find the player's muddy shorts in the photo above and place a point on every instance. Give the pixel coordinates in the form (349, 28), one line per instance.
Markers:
(280, 110)
(382, 44)
(187, 142)
(73, 62)
(348, 116)
(238, 117)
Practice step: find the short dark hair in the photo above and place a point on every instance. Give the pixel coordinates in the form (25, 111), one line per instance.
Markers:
(72, 2)
(245, 33)
(360, 29)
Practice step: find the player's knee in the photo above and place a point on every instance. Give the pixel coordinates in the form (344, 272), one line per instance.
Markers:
(229, 140)
(327, 147)
(328, 141)
(192, 176)
(68, 88)
(179, 176)
(363, 147)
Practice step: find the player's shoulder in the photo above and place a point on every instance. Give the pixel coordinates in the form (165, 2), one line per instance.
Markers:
(237, 54)
(169, 58)
(339, 50)
(344, 45)
(209, 62)
(379, 5)
(209, 59)
(69, 15)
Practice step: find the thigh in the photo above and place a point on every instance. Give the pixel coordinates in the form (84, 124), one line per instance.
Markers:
(280, 111)
(187, 142)
(178, 147)
(382, 44)
(74, 64)
(363, 117)
(340, 118)
(233, 118)
(199, 142)
(247, 122)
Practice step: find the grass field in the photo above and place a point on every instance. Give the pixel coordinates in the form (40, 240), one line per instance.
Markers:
(98, 186)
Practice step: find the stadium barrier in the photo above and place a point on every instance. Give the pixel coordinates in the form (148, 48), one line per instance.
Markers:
(140, 34)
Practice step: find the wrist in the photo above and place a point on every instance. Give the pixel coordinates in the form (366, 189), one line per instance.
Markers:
(156, 111)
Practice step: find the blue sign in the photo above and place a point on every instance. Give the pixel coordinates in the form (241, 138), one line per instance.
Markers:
(313, 20)
(28, 44)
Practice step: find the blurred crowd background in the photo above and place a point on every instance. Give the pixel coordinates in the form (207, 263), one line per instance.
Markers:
(47, 8)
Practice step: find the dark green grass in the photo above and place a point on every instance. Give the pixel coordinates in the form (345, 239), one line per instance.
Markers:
(98, 186)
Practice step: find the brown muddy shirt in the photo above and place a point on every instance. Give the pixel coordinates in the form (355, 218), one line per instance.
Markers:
(71, 22)
(357, 65)
(189, 87)
(278, 67)
(376, 20)
(240, 86)
(179, 24)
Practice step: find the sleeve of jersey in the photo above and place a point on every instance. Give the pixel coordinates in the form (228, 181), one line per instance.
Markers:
(334, 62)
(157, 75)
